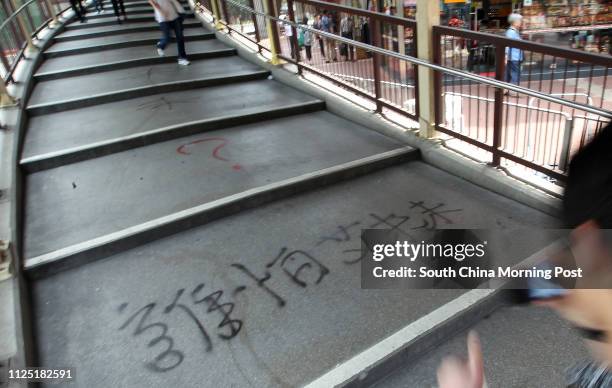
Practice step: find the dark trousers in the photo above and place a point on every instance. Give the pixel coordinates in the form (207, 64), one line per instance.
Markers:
(177, 26)
(99, 5)
(347, 50)
(293, 46)
(308, 52)
(118, 7)
(322, 47)
(78, 9)
(513, 72)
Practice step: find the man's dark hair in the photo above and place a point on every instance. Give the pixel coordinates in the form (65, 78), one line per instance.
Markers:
(588, 194)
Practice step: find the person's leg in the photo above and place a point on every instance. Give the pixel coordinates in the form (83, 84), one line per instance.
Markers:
(470, 60)
(180, 40)
(322, 47)
(332, 49)
(308, 52)
(122, 7)
(350, 49)
(165, 29)
(508, 77)
(516, 72)
(115, 7)
(291, 46)
(328, 50)
(74, 4)
(344, 48)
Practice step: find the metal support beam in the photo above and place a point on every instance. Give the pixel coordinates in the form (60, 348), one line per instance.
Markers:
(23, 28)
(216, 14)
(427, 16)
(54, 21)
(6, 260)
(272, 30)
(5, 98)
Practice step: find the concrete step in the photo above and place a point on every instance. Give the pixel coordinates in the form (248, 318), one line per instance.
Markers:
(112, 28)
(291, 332)
(147, 183)
(108, 18)
(524, 347)
(60, 138)
(193, 33)
(87, 90)
(121, 58)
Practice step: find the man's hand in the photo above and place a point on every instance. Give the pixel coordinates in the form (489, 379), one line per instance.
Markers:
(458, 373)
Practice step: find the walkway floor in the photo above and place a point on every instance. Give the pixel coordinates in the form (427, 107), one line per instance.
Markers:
(159, 199)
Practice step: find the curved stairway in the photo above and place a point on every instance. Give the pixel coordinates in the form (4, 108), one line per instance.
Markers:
(167, 207)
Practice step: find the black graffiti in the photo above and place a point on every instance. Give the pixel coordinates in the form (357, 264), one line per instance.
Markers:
(225, 309)
(301, 261)
(207, 342)
(341, 235)
(176, 357)
(434, 214)
(260, 282)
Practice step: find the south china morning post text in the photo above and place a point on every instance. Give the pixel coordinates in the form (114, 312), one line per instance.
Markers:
(455, 259)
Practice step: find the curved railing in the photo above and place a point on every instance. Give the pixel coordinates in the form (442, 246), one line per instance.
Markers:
(21, 28)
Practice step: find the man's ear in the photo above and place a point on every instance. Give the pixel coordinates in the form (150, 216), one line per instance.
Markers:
(589, 248)
(587, 232)
(586, 227)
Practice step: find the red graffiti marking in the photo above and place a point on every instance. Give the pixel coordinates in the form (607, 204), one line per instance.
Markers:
(184, 149)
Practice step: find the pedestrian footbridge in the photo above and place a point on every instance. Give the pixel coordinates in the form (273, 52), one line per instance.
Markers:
(200, 225)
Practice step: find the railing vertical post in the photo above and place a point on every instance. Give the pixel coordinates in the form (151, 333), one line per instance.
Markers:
(226, 15)
(5, 97)
(566, 144)
(5, 63)
(498, 104)
(254, 18)
(54, 20)
(377, 63)
(23, 28)
(427, 16)
(415, 70)
(272, 30)
(437, 77)
(294, 37)
(216, 14)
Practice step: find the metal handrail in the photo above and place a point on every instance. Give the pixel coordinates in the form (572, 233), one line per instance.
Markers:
(360, 12)
(14, 14)
(515, 104)
(49, 16)
(442, 69)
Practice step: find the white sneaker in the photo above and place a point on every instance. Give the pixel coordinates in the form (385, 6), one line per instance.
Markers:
(161, 52)
(183, 62)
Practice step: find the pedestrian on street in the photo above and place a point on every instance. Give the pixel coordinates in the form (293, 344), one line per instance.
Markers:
(514, 56)
(119, 9)
(307, 41)
(169, 15)
(288, 31)
(317, 25)
(330, 44)
(347, 25)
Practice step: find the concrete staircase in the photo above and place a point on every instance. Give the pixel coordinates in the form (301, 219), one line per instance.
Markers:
(199, 226)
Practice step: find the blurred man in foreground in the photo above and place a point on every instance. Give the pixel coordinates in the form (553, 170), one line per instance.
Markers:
(588, 211)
